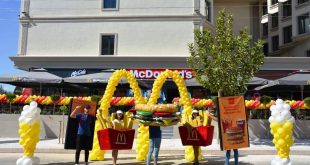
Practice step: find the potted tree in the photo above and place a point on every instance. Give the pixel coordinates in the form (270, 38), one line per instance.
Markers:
(224, 62)
(10, 97)
(265, 100)
(54, 99)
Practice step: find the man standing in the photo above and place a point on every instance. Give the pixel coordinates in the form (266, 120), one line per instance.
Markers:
(155, 140)
(83, 134)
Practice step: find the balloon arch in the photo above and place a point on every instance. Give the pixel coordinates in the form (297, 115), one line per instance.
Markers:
(143, 135)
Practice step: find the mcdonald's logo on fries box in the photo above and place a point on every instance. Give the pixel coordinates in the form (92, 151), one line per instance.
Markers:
(197, 136)
(110, 139)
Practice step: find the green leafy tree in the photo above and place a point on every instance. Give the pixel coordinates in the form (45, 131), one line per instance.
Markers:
(225, 62)
(54, 99)
(10, 97)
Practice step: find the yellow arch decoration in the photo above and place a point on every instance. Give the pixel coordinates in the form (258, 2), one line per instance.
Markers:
(96, 153)
(184, 99)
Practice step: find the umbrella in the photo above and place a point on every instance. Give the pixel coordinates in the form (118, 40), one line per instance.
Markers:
(253, 81)
(31, 77)
(300, 78)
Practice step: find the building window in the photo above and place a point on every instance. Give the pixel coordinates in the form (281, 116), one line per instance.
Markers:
(275, 43)
(265, 9)
(308, 53)
(287, 9)
(266, 49)
(274, 2)
(110, 4)
(287, 34)
(208, 10)
(303, 24)
(302, 1)
(107, 44)
(274, 19)
(265, 29)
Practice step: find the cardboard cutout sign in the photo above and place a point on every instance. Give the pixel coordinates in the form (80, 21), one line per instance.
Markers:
(233, 123)
(72, 125)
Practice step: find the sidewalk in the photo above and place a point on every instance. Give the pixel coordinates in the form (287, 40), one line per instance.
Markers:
(168, 146)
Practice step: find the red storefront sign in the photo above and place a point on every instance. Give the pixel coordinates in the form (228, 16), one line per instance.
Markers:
(151, 74)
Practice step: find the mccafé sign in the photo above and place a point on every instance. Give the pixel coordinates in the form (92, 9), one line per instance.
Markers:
(150, 74)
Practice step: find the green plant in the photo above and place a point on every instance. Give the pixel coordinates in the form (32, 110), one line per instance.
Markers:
(54, 99)
(265, 100)
(64, 109)
(95, 98)
(307, 101)
(10, 97)
(223, 62)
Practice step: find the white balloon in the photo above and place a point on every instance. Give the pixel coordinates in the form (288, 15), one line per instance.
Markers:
(275, 113)
(26, 107)
(273, 162)
(273, 108)
(27, 161)
(20, 161)
(286, 114)
(28, 120)
(289, 163)
(33, 104)
(279, 101)
(292, 119)
(284, 160)
(271, 119)
(286, 107)
(279, 107)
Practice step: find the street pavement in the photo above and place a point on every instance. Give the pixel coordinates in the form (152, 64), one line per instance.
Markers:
(260, 152)
(129, 159)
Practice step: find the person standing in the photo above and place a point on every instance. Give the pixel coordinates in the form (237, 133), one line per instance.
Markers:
(83, 134)
(118, 124)
(155, 141)
(236, 153)
(195, 123)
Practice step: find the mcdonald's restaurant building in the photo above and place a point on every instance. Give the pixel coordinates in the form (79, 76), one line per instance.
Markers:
(136, 35)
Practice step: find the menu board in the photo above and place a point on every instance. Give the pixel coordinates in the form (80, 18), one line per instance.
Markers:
(233, 123)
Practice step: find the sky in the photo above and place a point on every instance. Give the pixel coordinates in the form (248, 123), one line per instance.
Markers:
(9, 11)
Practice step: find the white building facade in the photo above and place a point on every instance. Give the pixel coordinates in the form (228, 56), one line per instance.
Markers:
(113, 34)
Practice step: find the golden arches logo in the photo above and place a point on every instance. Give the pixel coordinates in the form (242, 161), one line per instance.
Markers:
(121, 138)
(192, 134)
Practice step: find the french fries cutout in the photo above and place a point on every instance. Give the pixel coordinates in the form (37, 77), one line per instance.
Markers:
(203, 119)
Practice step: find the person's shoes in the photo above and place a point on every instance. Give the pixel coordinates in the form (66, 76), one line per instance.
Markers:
(196, 163)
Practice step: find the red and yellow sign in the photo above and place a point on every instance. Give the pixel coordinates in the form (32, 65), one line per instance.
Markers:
(82, 103)
(152, 74)
(233, 123)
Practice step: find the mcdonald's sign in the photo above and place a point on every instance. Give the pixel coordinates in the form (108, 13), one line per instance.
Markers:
(192, 134)
(121, 138)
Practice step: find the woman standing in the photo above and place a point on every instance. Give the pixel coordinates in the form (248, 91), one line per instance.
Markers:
(155, 141)
(118, 124)
(83, 134)
(195, 123)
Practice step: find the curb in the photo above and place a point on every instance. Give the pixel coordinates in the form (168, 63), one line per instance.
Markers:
(178, 152)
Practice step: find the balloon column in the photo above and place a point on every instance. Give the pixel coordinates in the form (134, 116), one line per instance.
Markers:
(29, 131)
(96, 153)
(281, 124)
(184, 100)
